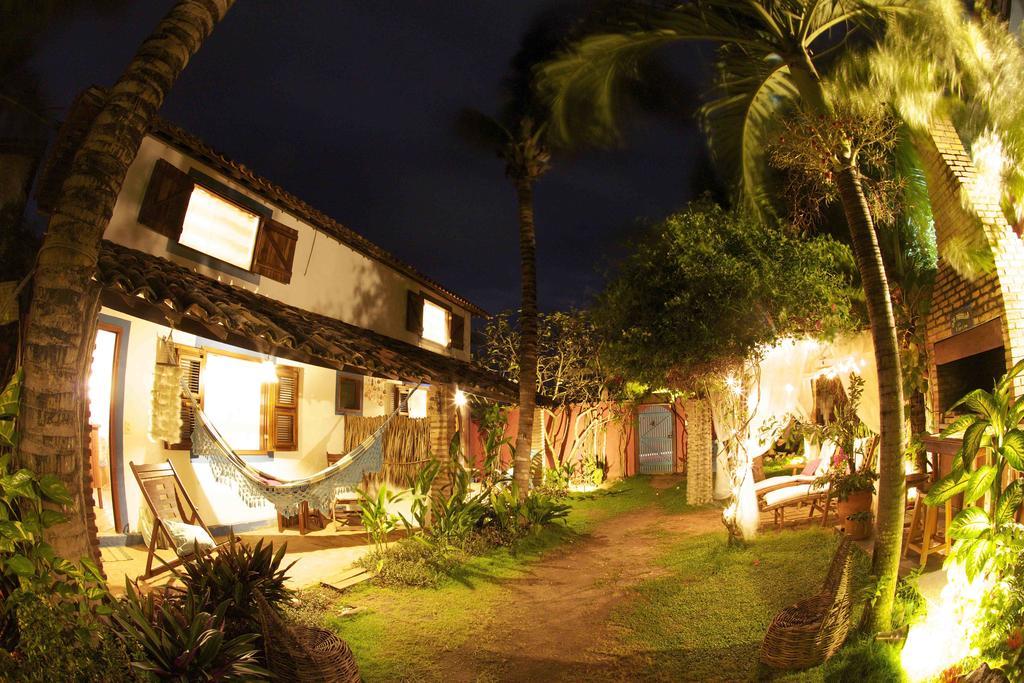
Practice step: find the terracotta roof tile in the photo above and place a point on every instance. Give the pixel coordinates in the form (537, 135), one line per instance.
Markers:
(161, 291)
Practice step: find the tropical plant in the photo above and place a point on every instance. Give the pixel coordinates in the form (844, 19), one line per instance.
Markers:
(558, 478)
(771, 60)
(64, 303)
(491, 420)
(182, 641)
(989, 539)
(512, 516)
(845, 429)
(378, 519)
(419, 508)
(235, 574)
(33, 578)
(518, 135)
(592, 471)
(520, 142)
(457, 512)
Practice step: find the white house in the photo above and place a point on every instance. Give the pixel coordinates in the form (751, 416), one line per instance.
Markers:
(287, 323)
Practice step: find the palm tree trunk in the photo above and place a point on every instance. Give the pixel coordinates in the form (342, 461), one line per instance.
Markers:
(891, 484)
(62, 316)
(528, 337)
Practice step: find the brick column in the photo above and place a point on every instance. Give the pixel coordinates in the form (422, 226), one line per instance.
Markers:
(699, 474)
(441, 415)
(968, 212)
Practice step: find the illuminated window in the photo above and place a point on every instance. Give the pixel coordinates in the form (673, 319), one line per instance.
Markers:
(219, 228)
(253, 402)
(233, 400)
(435, 323)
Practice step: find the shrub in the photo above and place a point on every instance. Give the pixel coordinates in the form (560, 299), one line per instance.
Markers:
(53, 613)
(234, 575)
(181, 641)
(866, 660)
(53, 647)
(413, 563)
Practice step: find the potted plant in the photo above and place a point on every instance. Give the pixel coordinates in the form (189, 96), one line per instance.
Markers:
(858, 525)
(851, 485)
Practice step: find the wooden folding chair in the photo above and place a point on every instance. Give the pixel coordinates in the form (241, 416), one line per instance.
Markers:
(167, 500)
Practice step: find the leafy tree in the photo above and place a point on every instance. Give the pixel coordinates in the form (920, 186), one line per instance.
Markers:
(570, 374)
(569, 368)
(62, 315)
(772, 61)
(708, 287)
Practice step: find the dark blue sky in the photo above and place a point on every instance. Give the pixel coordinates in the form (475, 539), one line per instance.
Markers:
(350, 105)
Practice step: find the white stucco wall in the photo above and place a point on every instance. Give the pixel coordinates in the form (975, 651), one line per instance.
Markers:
(328, 277)
(320, 430)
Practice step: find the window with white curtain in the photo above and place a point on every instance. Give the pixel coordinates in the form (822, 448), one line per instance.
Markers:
(219, 228)
(233, 400)
(435, 323)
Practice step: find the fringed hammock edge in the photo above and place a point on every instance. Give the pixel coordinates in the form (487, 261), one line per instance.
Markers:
(256, 487)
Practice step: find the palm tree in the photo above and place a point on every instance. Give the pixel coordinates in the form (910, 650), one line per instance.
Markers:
(61, 326)
(771, 57)
(521, 145)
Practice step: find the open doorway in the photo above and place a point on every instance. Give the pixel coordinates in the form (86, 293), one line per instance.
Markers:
(103, 435)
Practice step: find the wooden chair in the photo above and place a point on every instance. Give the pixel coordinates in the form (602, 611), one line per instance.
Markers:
(809, 632)
(817, 499)
(167, 500)
(347, 508)
(305, 519)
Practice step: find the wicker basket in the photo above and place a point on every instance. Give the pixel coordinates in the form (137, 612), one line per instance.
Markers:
(303, 653)
(808, 633)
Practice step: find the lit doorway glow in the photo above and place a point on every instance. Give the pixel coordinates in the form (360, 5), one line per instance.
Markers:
(101, 436)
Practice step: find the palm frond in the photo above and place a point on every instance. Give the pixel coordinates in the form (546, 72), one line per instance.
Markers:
(585, 85)
(740, 118)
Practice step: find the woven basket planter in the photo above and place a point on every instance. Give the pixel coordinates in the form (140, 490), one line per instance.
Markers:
(303, 653)
(808, 633)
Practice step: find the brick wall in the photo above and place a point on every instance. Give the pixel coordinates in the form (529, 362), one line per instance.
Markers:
(962, 207)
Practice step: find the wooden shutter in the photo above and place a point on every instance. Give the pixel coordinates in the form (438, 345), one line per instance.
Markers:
(167, 196)
(275, 251)
(284, 420)
(457, 330)
(414, 312)
(191, 361)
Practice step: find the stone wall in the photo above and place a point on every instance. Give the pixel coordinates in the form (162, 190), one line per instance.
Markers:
(699, 474)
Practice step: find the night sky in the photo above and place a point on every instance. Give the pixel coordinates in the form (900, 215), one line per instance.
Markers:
(351, 106)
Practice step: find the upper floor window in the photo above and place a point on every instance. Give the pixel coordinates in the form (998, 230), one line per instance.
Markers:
(434, 321)
(212, 220)
(219, 228)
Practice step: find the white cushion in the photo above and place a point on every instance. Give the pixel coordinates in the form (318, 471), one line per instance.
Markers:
(782, 481)
(790, 493)
(187, 537)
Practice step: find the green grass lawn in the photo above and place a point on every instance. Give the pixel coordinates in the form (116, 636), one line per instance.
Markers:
(701, 619)
(705, 619)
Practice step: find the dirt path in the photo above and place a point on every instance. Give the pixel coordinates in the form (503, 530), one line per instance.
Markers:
(557, 614)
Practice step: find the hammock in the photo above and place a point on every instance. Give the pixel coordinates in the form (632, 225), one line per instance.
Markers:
(255, 487)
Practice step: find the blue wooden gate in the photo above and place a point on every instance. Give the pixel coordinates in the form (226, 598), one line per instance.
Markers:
(656, 443)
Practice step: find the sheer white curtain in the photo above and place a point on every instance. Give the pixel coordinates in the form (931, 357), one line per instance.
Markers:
(750, 410)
